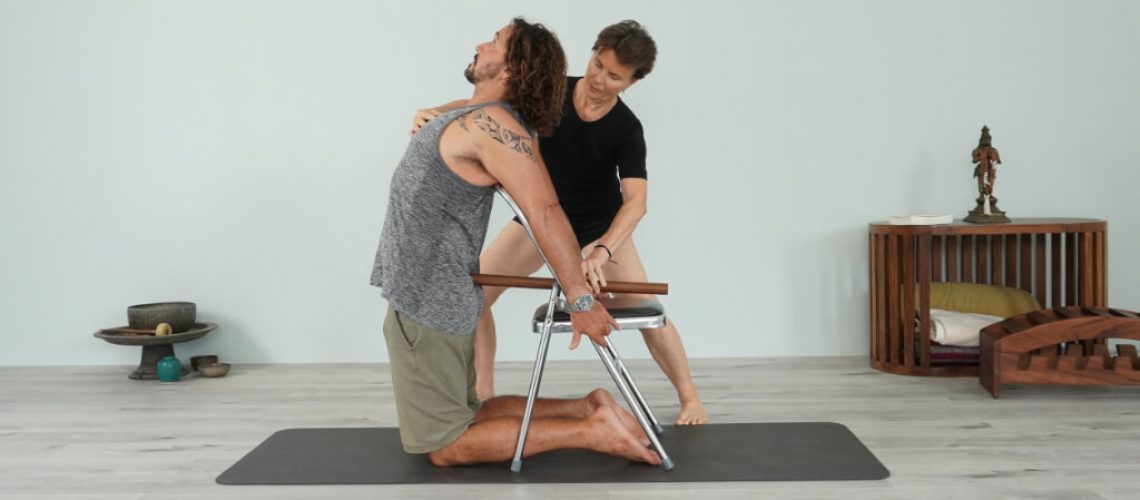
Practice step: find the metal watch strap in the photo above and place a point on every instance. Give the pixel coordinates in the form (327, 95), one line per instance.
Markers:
(583, 303)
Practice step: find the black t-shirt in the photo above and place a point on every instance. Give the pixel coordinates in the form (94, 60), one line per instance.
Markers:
(586, 161)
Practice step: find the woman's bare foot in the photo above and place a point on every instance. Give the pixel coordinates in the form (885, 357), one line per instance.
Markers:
(601, 398)
(613, 438)
(692, 413)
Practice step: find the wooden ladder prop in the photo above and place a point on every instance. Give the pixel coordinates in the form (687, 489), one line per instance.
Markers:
(1063, 345)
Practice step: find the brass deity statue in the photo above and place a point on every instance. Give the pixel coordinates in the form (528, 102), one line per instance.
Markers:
(986, 158)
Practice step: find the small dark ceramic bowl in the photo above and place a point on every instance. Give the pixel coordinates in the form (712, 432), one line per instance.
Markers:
(214, 370)
(200, 361)
(180, 315)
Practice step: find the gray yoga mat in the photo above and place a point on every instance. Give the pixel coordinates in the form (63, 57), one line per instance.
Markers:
(813, 451)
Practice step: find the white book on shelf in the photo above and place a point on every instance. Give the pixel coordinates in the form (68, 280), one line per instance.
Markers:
(921, 219)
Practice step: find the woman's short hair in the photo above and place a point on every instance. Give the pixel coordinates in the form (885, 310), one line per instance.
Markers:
(631, 44)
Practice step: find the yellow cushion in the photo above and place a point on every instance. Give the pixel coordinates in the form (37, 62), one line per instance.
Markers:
(993, 300)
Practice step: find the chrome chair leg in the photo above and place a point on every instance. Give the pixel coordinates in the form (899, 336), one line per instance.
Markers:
(623, 387)
(535, 378)
(634, 389)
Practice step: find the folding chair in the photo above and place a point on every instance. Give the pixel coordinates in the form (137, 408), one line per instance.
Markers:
(550, 318)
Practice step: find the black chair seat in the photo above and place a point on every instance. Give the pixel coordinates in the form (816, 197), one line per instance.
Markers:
(632, 313)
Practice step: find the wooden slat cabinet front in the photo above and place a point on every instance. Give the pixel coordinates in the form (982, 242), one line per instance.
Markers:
(1060, 261)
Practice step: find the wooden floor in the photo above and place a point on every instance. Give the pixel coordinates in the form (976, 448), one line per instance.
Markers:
(90, 433)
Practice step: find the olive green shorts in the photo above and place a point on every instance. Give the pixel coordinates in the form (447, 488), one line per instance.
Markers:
(433, 376)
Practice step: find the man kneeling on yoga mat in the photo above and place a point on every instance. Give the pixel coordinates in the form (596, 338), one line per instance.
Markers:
(438, 209)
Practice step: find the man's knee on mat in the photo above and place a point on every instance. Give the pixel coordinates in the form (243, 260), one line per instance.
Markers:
(447, 456)
(439, 458)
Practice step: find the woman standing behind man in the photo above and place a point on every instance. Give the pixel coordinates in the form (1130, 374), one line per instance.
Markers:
(596, 160)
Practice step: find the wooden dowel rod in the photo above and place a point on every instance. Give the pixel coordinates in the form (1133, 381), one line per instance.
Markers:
(528, 282)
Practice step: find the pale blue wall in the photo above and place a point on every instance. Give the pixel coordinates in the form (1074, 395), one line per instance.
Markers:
(237, 154)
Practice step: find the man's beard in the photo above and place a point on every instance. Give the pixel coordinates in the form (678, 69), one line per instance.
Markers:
(485, 73)
(469, 71)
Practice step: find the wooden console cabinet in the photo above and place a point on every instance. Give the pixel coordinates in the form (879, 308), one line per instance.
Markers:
(1060, 261)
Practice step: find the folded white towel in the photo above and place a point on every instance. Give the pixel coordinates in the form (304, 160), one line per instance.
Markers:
(958, 328)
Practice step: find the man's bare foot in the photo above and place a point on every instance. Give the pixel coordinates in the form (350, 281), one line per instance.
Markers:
(692, 413)
(614, 439)
(601, 398)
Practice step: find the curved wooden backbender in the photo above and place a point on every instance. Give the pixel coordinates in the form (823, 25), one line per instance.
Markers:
(1063, 345)
(546, 283)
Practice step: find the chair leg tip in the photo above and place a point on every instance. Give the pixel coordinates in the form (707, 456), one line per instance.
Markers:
(516, 465)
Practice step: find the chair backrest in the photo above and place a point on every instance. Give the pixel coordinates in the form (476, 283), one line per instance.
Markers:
(526, 225)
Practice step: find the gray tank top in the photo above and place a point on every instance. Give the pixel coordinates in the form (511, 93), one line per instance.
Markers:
(433, 235)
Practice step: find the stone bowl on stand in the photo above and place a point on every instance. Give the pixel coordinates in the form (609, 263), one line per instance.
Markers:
(180, 315)
(154, 347)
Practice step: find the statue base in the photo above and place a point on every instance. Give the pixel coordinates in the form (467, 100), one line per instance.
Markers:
(978, 214)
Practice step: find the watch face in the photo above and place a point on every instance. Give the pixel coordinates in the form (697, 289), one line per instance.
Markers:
(584, 303)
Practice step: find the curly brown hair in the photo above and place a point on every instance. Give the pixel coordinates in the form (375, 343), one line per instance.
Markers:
(537, 68)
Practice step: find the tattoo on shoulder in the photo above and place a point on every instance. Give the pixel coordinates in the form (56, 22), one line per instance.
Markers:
(505, 136)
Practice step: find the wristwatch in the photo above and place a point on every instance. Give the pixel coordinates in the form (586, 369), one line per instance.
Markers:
(583, 303)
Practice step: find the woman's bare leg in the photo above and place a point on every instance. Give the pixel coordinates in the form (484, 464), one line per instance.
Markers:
(511, 253)
(664, 343)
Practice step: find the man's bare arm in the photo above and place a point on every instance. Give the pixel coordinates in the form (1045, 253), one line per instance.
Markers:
(505, 136)
(512, 158)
